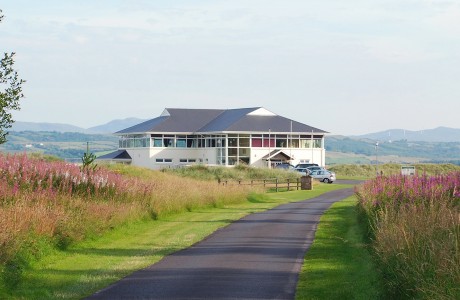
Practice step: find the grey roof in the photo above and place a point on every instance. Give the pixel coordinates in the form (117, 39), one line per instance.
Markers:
(179, 120)
(261, 124)
(215, 120)
(119, 154)
(276, 154)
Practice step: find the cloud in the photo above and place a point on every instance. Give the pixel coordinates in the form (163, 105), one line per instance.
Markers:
(447, 21)
(398, 50)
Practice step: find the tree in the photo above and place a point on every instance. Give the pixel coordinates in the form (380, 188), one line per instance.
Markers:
(88, 160)
(10, 91)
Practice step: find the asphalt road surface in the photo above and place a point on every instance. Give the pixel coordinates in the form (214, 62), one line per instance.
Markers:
(257, 257)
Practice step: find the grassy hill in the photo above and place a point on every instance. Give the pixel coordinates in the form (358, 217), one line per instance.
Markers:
(65, 145)
(439, 134)
(341, 149)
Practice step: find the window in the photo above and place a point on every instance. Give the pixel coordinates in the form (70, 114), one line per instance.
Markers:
(168, 142)
(269, 142)
(244, 151)
(244, 142)
(157, 142)
(233, 142)
(281, 141)
(232, 151)
(187, 160)
(294, 143)
(181, 143)
(256, 142)
(163, 160)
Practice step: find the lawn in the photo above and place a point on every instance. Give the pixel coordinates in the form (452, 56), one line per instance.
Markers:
(338, 265)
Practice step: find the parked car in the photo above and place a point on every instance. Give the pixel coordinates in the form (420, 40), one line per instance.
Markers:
(284, 166)
(302, 171)
(315, 168)
(305, 165)
(306, 171)
(323, 175)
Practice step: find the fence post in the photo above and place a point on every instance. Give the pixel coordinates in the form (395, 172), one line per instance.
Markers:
(289, 186)
(252, 181)
(298, 183)
(264, 183)
(276, 184)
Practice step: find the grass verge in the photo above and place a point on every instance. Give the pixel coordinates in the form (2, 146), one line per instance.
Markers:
(338, 265)
(88, 266)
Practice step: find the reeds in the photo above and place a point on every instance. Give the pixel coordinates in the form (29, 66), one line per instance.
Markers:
(414, 226)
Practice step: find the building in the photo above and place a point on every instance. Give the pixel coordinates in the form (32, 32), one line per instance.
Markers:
(252, 136)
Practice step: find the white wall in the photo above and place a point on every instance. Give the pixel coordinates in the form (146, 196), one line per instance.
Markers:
(317, 155)
(146, 157)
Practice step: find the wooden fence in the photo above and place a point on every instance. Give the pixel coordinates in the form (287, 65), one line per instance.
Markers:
(274, 184)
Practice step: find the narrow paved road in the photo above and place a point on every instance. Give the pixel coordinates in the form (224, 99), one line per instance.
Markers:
(257, 257)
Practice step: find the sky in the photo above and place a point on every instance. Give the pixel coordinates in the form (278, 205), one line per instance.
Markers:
(346, 67)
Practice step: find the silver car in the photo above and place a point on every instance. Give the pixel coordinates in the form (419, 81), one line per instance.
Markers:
(323, 175)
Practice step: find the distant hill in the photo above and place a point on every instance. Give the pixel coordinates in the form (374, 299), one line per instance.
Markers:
(108, 128)
(366, 147)
(440, 144)
(440, 134)
(115, 125)
(34, 126)
(66, 145)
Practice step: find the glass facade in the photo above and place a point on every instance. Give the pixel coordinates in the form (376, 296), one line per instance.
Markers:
(231, 149)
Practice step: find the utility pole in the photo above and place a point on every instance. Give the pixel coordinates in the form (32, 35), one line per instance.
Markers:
(269, 147)
(377, 158)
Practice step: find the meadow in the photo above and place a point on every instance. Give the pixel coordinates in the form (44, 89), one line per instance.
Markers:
(55, 214)
(367, 171)
(413, 225)
(49, 205)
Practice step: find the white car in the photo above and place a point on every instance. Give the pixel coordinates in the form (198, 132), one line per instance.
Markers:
(323, 175)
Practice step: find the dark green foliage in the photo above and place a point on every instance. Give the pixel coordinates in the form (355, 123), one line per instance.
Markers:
(88, 161)
(11, 91)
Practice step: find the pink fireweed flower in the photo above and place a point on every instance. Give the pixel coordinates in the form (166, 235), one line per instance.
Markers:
(456, 192)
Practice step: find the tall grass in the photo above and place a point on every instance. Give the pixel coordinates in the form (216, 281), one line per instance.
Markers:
(414, 225)
(46, 204)
(239, 172)
(370, 171)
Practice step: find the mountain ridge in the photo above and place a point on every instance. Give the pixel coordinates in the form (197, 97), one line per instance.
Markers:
(109, 127)
(438, 134)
